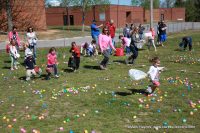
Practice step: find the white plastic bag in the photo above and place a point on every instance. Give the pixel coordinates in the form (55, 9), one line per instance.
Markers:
(137, 74)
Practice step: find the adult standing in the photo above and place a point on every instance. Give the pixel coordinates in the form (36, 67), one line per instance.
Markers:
(95, 30)
(162, 32)
(112, 29)
(105, 43)
(158, 33)
(141, 31)
(126, 31)
(135, 38)
(13, 35)
(32, 40)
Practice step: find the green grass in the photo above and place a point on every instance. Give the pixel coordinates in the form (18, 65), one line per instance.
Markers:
(108, 106)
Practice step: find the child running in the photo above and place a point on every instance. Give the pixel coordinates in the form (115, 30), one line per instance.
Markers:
(154, 72)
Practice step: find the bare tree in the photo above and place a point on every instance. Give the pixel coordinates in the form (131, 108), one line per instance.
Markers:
(168, 3)
(66, 4)
(87, 5)
(5, 5)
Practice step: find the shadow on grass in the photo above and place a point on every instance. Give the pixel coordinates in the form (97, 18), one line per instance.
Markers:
(43, 77)
(5, 67)
(133, 91)
(92, 67)
(7, 61)
(119, 61)
(67, 70)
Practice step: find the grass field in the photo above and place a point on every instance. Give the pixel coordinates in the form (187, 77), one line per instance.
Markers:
(105, 101)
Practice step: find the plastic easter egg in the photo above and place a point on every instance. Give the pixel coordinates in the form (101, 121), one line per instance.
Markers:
(85, 131)
(134, 117)
(93, 131)
(61, 128)
(184, 120)
(23, 130)
(71, 131)
(84, 115)
(158, 111)
(165, 124)
(191, 113)
(140, 106)
(9, 126)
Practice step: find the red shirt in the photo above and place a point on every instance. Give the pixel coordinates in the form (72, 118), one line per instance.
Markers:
(112, 30)
(76, 51)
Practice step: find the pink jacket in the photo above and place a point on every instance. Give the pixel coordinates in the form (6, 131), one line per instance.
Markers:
(51, 59)
(10, 36)
(153, 33)
(105, 42)
(126, 42)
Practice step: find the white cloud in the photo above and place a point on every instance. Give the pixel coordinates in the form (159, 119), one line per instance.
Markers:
(54, 3)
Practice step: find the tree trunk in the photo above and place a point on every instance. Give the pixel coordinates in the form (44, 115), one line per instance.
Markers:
(9, 14)
(83, 22)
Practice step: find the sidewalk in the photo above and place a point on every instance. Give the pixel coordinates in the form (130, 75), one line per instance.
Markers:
(63, 42)
(56, 43)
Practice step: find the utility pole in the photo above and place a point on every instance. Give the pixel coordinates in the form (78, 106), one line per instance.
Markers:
(151, 13)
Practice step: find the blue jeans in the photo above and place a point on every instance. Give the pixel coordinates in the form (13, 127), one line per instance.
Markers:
(54, 68)
(189, 43)
(113, 42)
(105, 60)
(128, 50)
(94, 37)
(33, 48)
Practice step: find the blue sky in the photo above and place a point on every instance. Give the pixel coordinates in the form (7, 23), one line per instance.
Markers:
(121, 2)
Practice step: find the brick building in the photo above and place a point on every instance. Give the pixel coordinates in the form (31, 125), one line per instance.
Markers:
(25, 13)
(121, 15)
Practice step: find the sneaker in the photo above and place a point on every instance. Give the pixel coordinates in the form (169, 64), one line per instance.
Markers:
(126, 61)
(47, 78)
(16, 67)
(56, 76)
(11, 69)
(102, 67)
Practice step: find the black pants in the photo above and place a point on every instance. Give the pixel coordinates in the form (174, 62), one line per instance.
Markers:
(74, 62)
(77, 62)
(134, 55)
(189, 43)
(106, 54)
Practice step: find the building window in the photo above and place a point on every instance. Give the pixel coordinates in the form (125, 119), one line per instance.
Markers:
(102, 16)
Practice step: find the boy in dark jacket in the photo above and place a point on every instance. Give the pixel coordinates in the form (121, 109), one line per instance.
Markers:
(30, 64)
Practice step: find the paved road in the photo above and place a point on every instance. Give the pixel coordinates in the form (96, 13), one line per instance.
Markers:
(58, 42)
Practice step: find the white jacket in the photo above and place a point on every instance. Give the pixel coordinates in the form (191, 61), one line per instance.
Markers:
(13, 52)
(154, 72)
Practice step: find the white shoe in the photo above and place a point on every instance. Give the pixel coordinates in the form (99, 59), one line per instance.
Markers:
(149, 90)
(56, 76)
(102, 67)
(11, 69)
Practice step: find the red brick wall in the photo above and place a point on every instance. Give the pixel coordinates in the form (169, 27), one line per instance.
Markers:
(178, 14)
(117, 13)
(28, 13)
(170, 14)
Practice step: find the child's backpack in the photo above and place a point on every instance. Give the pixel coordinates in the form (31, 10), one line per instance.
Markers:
(7, 48)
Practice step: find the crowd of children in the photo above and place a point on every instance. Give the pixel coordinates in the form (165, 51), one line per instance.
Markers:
(130, 41)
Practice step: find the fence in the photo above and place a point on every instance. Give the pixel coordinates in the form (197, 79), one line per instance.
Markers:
(178, 26)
